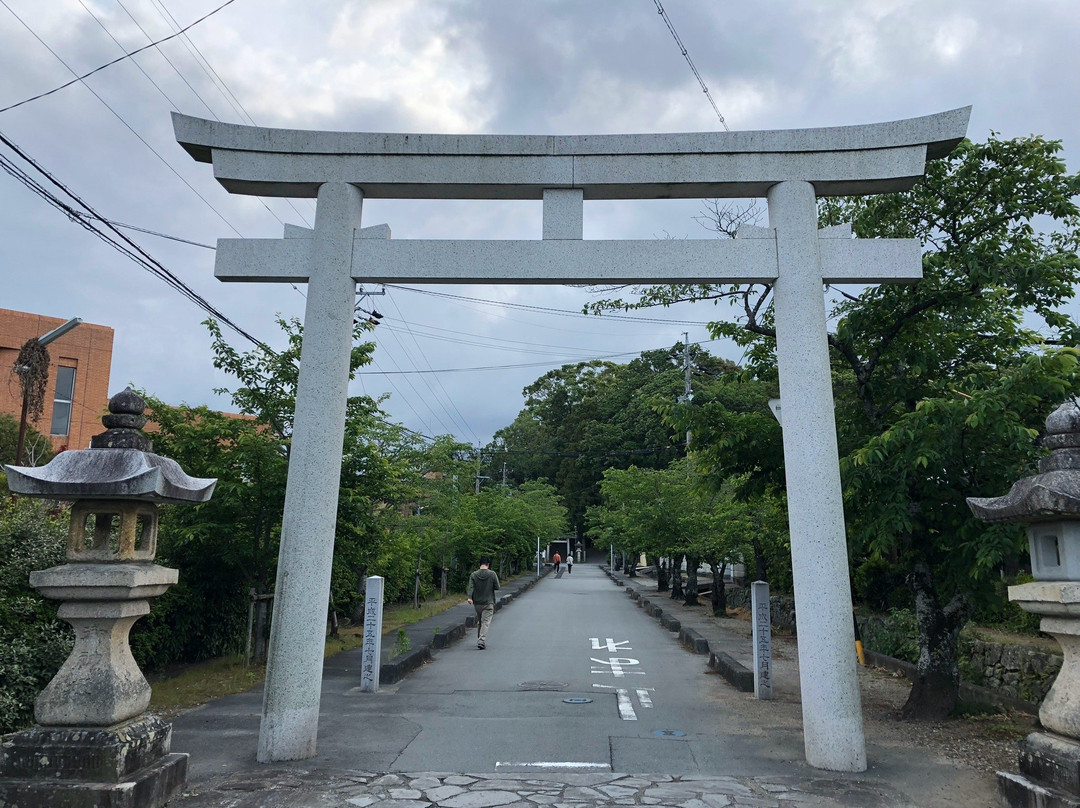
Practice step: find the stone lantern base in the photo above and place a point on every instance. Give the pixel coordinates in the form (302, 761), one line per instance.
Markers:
(125, 766)
(1049, 773)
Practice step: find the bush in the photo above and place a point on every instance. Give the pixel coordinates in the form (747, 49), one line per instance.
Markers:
(1001, 613)
(896, 636)
(880, 585)
(204, 616)
(33, 642)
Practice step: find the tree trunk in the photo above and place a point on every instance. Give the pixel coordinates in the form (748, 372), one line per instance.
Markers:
(662, 576)
(937, 683)
(334, 626)
(676, 578)
(761, 565)
(416, 580)
(691, 598)
(719, 589)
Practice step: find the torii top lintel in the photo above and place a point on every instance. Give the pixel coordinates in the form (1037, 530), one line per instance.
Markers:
(839, 161)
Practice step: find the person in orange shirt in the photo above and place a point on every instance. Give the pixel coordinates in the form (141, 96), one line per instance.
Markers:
(557, 559)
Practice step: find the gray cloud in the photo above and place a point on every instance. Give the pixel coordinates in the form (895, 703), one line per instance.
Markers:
(468, 65)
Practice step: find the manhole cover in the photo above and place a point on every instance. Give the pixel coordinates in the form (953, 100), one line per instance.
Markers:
(542, 685)
(577, 700)
(668, 733)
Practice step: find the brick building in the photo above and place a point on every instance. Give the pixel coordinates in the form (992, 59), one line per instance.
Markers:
(78, 389)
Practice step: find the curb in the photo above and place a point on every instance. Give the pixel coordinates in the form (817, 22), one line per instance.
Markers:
(694, 641)
(399, 667)
(738, 675)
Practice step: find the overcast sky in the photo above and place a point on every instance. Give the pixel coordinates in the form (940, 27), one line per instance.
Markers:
(452, 66)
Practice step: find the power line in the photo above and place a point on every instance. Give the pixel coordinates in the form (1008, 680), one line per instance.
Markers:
(176, 70)
(602, 358)
(544, 309)
(163, 235)
(689, 61)
(79, 78)
(133, 61)
(120, 118)
(90, 219)
(215, 81)
(460, 418)
(164, 56)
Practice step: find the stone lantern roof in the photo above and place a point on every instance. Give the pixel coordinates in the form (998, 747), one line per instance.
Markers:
(1052, 493)
(119, 465)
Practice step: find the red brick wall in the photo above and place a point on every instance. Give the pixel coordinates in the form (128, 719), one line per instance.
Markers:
(87, 348)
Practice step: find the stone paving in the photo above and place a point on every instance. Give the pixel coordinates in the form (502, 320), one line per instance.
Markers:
(299, 788)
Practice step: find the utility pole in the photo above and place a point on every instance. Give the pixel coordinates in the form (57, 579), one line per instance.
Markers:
(687, 396)
(479, 476)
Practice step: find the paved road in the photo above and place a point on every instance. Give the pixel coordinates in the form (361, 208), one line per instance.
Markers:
(572, 637)
(491, 727)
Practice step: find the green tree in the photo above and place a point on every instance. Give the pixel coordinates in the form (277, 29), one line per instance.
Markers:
(582, 419)
(37, 448)
(228, 546)
(930, 408)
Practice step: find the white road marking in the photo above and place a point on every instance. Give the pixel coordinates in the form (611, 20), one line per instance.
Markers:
(626, 707)
(553, 764)
(610, 645)
(616, 664)
(643, 697)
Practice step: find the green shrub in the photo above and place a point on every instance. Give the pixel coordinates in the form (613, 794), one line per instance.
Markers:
(896, 636)
(33, 642)
(1001, 613)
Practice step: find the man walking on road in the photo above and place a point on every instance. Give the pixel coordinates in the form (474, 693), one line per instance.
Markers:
(556, 560)
(570, 562)
(481, 594)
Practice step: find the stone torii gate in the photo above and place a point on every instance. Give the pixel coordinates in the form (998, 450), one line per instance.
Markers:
(791, 168)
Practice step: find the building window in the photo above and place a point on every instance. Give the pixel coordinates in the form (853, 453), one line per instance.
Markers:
(62, 403)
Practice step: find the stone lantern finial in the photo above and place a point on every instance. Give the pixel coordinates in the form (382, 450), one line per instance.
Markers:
(123, 424)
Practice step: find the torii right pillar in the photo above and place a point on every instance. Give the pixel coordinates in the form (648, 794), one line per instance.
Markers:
(831, 707)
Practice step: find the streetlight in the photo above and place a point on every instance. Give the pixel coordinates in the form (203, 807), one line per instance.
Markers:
(55, 334)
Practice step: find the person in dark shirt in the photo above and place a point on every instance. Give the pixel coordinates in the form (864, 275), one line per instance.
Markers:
(483, 584)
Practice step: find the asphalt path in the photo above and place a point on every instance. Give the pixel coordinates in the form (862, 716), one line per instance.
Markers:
(573, 677)
(639, 702)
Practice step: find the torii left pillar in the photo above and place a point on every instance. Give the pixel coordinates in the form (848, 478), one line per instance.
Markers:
(295, 656)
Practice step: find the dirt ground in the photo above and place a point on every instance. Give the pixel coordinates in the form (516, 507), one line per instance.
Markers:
(984, 742)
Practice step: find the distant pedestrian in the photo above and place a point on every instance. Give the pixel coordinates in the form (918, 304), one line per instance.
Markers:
(569, 563)
(483, 584)
(557, 559)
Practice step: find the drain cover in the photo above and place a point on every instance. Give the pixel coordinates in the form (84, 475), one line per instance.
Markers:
(577, 700)
(668, 733)
(542, 685)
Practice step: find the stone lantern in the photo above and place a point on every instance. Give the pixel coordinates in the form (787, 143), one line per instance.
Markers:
(1049, 505)
(93, 744)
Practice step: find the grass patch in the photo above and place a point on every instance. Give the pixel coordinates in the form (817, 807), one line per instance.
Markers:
(191, 685)
(186, 686)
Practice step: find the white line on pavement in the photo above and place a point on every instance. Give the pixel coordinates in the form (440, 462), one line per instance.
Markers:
(626, 707)
(551, 764)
